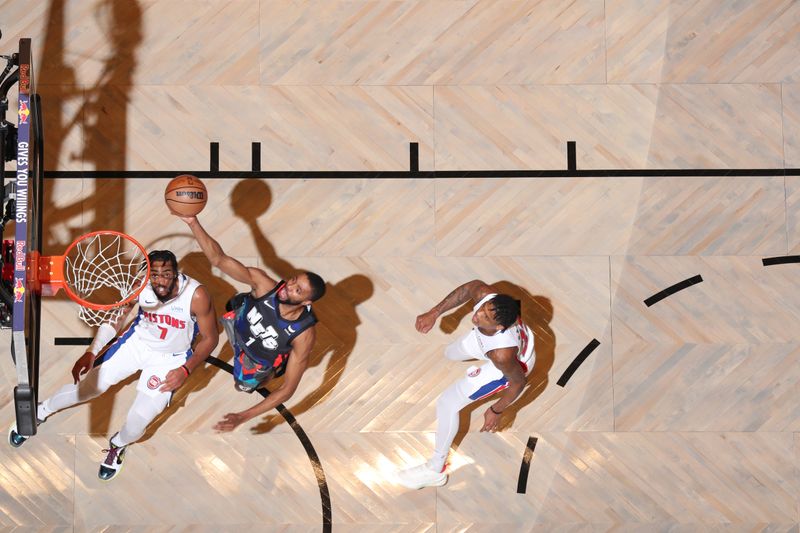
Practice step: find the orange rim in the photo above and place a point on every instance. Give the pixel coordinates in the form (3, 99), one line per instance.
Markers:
(54, 277)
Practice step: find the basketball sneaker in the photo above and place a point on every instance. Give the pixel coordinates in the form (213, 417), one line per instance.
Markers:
(420, 476)
(112, 464)
(15, 439)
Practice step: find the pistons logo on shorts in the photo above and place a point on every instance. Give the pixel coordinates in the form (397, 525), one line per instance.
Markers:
(153, 383)
(474, 371)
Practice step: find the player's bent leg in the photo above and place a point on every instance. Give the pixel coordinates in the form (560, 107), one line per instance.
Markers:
(68, 395)
(464, 348)
(118, 362)
(146, 407)
(479, 383)
(71, 394)
(144, 410)
(432, 473)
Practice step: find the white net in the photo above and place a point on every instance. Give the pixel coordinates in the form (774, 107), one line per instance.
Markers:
(104, 269)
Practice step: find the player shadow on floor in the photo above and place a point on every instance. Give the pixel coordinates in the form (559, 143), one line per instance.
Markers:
(336, 311)
(101, 407)
(537, 313)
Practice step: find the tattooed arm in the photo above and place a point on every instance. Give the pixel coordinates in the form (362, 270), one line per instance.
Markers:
(472, 290)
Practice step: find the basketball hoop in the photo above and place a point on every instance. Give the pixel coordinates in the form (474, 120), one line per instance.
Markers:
(103, 271)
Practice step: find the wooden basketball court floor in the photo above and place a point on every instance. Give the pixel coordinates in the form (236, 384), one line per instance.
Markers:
(684, 418)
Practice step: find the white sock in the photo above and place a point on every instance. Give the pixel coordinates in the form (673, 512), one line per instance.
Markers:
(42, 412)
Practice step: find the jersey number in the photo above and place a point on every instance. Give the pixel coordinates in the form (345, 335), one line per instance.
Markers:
(163, 332)
(268, 335)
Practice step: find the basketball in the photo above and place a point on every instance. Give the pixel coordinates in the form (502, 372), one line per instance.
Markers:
(186, 195)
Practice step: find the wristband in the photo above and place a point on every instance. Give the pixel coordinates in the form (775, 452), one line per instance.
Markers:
(185, 370)
(105, 333)
(491, 408)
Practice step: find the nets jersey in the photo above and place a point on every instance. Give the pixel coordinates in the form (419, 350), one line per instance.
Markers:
(518, 336)
(263, 333)
(169, 326)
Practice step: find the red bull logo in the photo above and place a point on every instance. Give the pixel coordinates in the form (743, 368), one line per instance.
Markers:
(24, 113)
(19, 290)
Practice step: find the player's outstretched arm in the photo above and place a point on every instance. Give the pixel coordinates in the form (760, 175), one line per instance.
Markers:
(295, 367)
(472, 290)
(203, 311)
(255, 277)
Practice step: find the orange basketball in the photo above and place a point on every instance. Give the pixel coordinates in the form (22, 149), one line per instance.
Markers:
(186, 195)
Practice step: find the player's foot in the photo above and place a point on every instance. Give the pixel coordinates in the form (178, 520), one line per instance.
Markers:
(112, 464)
(14, 438)
(420, 476)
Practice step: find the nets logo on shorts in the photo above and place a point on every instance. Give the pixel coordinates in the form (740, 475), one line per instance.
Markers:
(153, 382)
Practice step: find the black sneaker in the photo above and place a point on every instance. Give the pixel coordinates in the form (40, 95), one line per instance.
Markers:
(113, 462)
(15, 439)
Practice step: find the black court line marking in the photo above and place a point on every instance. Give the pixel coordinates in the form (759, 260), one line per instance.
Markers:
(213, 164)
(72, 341)
(572, 160)
(427, 174)
(413, 154)
(316, 464)
(694, 280)
(524, 468)
(255, 156)
(578, 361)
(782, 260)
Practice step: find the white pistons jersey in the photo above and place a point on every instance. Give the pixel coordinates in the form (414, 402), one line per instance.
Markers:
(167, 327)
(517, 336)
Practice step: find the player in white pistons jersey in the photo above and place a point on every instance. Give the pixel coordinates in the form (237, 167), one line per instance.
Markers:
(498, 337)
(173, 310)
(167, 326)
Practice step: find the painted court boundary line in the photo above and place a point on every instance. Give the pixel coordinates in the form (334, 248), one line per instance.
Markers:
(524, 468)
(657, 297)
(313, 457)
(316, 464)
(413, 171)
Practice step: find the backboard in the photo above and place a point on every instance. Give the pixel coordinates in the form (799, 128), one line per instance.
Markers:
(28, 188)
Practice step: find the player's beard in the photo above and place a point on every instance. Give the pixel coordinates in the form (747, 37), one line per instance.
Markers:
(168, 295)
(287, 301)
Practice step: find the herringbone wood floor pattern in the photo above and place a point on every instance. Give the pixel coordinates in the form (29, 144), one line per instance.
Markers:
(684, 418)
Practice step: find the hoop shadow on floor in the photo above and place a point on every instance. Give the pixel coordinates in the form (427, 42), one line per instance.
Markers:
(95, 112)
(537, 313)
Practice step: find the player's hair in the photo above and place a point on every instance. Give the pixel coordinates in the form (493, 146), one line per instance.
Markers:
(164, 256)
(317, 286)
(506, 310)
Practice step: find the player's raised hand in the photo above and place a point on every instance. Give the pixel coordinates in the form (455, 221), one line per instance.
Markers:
(188, 220)
(82, 366)
(426, 321)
